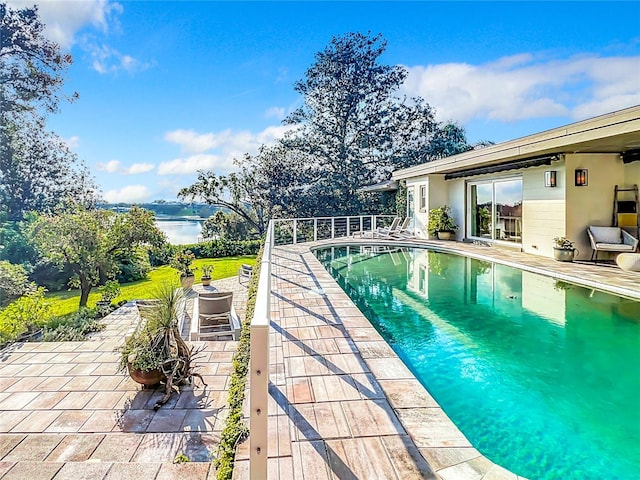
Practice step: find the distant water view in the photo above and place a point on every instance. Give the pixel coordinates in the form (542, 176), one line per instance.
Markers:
(180, 230)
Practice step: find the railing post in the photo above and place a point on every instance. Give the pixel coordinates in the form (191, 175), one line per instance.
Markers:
(259, 378)
(315, 229)
(361, 223)
(333, 227)
(295, 231)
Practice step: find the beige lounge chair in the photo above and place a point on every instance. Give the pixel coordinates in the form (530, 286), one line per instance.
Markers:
(610, 239)
(214, 317)
(378, 231)
(244, 273)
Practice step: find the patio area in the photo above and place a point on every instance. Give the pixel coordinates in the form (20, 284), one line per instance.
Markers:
(342, 404)
(66, 414)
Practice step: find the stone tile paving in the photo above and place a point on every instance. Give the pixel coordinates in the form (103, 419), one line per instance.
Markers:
(65, 412)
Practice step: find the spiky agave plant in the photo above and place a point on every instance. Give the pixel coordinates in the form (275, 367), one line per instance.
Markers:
(158, 345)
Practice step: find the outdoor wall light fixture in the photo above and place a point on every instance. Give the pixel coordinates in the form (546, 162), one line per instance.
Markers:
(582, 178)
(550, 178)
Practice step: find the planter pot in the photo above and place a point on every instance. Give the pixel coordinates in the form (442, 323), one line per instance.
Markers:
(563, 254)
(187, 282)
(206, 281)
(152, 377)
(444, 235)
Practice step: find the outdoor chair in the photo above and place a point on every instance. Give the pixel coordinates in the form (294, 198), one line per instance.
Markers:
(378, 231)
(214, 317)
(610, 239)
(403, 231)
(244, 273)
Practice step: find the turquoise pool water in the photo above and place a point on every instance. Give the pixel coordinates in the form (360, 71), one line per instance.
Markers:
(543, 377)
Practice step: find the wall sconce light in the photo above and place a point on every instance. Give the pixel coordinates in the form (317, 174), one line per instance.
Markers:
(550, 178)
(582, 178)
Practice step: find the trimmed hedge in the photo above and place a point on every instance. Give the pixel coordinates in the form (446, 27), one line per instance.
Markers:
(235, 430)
(211, 249)
(224, 248)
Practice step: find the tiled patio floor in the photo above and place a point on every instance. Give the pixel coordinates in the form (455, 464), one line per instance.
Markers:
(66, 413)
(342, 404)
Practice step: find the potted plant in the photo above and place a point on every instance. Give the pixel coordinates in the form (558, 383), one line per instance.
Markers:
(206, 274)
(109, 291)
(182, 261)
(564, 249)
(155, 352)
(441, 223)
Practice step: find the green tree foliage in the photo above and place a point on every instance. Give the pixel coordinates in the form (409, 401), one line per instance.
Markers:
(13, 282)
(31, 66)
(234, 192)
(26, 314)
(37, 169)
(226, 226)
(353, 129)
(90, 241)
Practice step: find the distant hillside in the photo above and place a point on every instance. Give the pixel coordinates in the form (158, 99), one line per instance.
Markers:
(172, 209)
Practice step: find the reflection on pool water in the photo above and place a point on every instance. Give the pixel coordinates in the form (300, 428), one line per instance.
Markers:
(543, 377)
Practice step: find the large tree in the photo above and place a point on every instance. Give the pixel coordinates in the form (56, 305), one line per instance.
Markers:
(353, 129)
(37, 169)
(90, 241)
(32, 67)
(233, 192)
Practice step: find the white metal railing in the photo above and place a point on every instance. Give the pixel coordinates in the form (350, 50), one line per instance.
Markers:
(259, 367)
(282, 232)
(299, 230)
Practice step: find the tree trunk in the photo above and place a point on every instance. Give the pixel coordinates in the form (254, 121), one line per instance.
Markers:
(85, 289)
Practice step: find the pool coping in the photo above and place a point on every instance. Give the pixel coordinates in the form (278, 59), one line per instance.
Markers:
(445, 448)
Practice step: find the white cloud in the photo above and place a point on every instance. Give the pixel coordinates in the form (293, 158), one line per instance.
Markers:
(275, 112)
(227, 145)
(64, 19)
(114, 166)
(72, 142)
(182, 166)
(523, 86)
(128, 194)
(109, 60)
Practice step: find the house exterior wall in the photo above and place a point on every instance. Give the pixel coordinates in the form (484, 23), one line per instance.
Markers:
(565, 210)
(593, 203)
(543, 209)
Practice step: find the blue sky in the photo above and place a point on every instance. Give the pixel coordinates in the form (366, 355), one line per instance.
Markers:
(167, 88)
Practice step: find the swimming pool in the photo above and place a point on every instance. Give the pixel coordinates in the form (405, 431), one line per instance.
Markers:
(543, 377)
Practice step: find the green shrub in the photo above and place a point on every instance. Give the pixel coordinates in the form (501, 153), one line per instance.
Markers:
(224, 248)
(72, 328)
(26, 314)
(13, 282)
(132, 265)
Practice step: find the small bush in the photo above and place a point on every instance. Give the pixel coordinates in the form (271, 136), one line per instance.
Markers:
(13, 282)
(26, 314)
(72, 328)
(224, 248)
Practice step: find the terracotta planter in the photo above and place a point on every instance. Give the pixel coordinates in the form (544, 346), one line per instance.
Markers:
(444, 235)
(152, 377)
(564, 254)
(206, 281)
(187, 282)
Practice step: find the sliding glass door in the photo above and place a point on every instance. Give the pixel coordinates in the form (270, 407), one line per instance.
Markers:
(495, 210)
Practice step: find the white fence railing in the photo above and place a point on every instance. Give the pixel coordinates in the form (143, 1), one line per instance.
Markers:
(259, 368)
(283, 232)
(298, 230)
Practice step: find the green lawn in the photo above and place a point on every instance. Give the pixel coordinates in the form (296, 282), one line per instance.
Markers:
(63, 303)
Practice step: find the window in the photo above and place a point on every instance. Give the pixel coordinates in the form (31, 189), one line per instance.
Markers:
(495, 210)
(423, 198)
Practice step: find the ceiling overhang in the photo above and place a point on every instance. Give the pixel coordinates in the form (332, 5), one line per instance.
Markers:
(616, 132)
